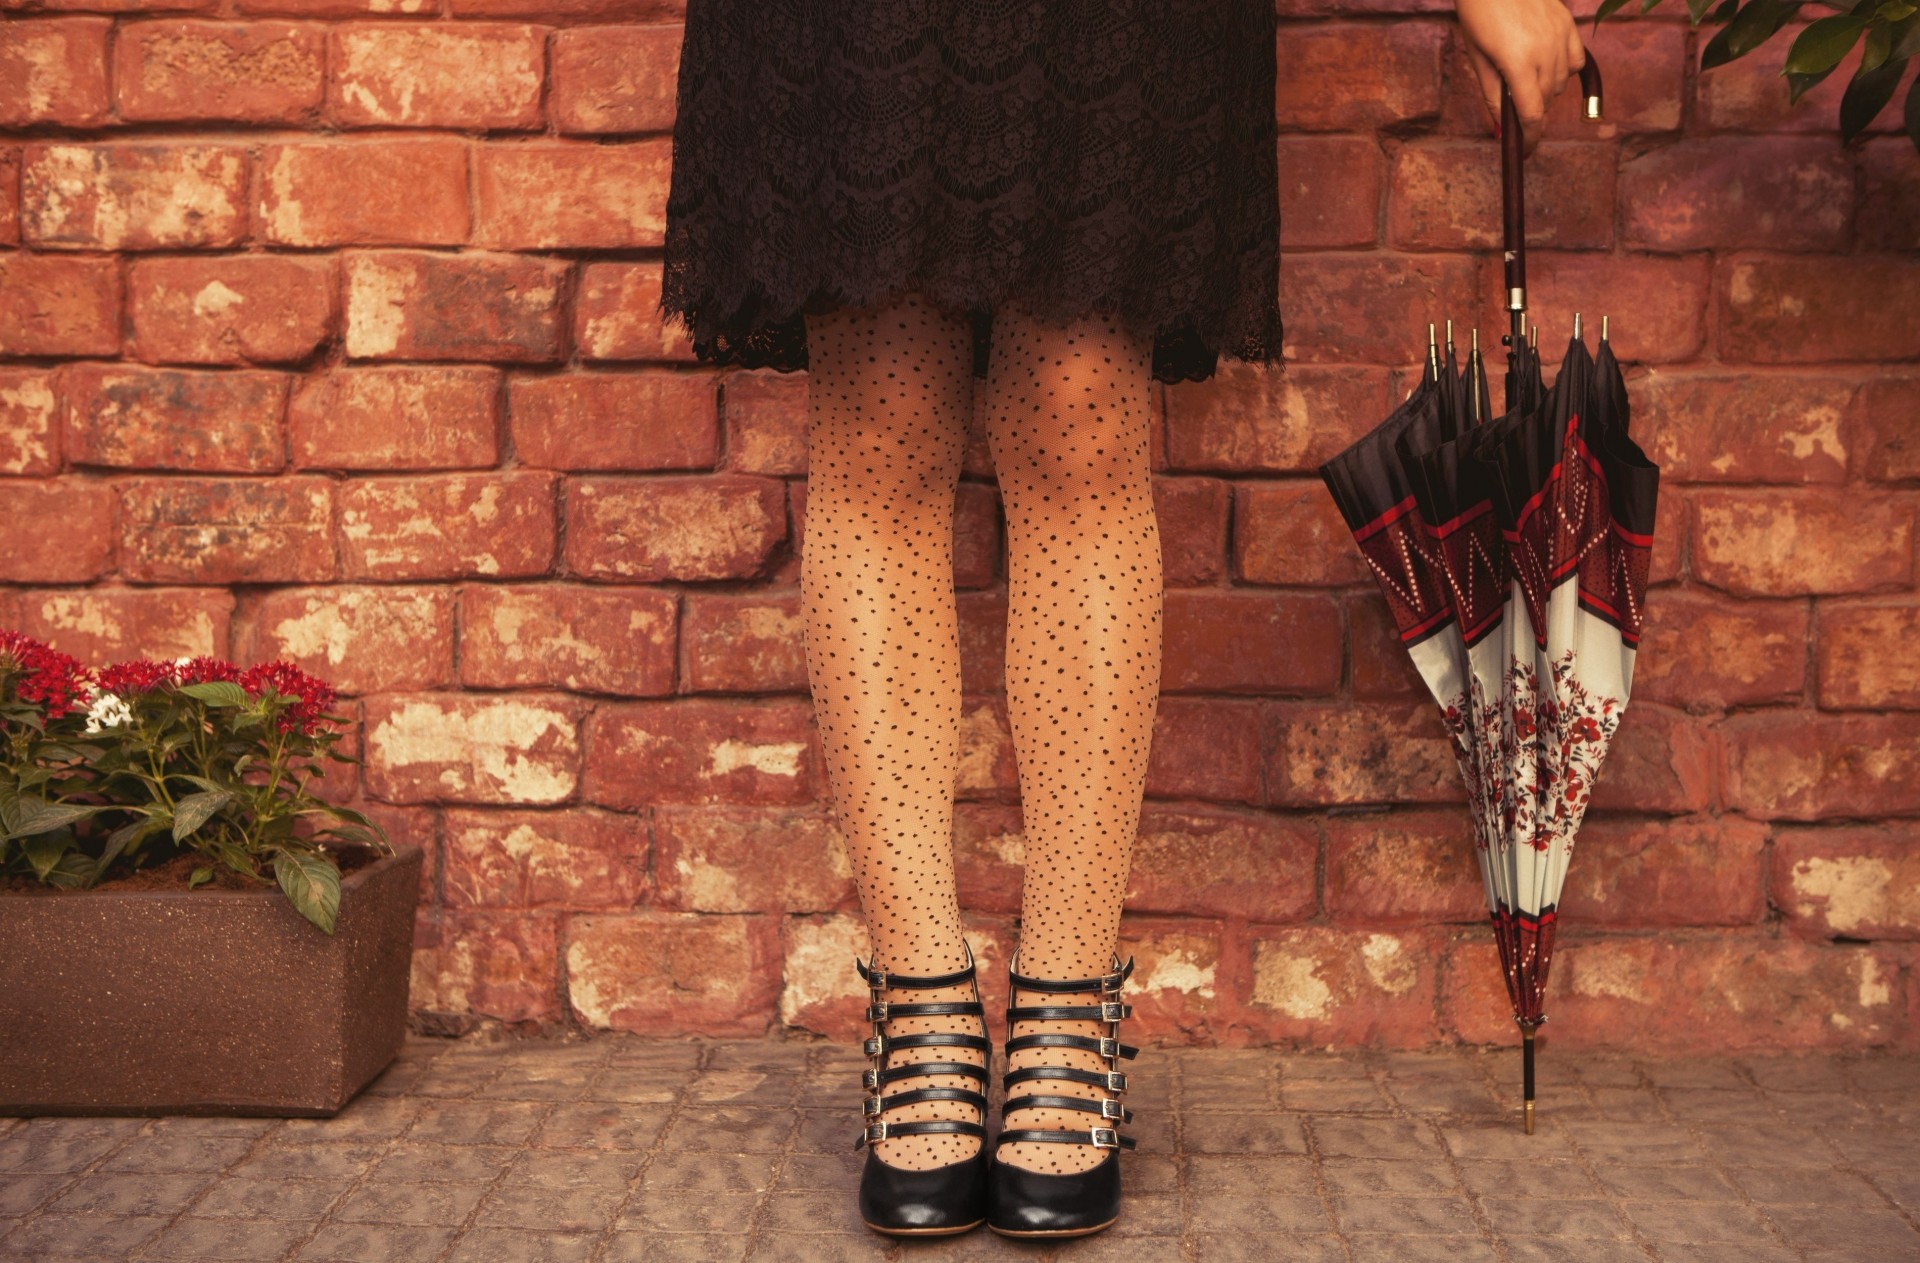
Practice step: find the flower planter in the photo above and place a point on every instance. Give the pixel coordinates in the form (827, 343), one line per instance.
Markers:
(207, 1001)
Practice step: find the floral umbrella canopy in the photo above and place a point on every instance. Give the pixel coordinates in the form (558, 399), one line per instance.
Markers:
(1513, 553)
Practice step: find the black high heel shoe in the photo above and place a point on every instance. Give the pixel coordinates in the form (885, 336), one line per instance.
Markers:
(944, 1200)
(1023, 1203)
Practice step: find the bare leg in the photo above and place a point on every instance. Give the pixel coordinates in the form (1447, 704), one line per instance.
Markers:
(1067, 426)
(888, 398)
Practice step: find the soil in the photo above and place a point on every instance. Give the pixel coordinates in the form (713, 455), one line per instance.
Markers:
(173, 873)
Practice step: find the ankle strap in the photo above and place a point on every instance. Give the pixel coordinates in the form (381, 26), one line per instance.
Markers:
(881, 1129)
(880, 979)
(1107, 1108)
(1105, 1046)
(1105, 1011)
(1098, 1137)
(1109, 982)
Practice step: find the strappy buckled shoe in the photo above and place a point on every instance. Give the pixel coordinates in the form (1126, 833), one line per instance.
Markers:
(1023, 1203)
(943, 1200)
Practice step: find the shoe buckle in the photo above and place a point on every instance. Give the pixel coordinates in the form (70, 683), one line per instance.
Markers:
(1110, 983)
(1116, 1081)
(876, 1046)
(870, 1080)
(877, 1011)
(1111, 1108)
(1109, 1047)
(876, 1131)
(1112, 1010)
(872, 1106)
(1111, 1137)
(877, 980)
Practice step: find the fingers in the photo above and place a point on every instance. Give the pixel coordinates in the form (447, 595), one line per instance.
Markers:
(1489, 77)
(1530, 104)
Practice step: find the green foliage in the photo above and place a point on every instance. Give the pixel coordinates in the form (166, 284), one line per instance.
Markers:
(1887, 32)
(211, 768)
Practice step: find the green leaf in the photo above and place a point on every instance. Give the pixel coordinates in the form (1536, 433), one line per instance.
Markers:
(1755, 25)
(1697, 9)
(196, 809)
(1906, 36)
(1820, 47)
(1799, 85)
(200, 876)
(28, 814)
(217, 693)
(312, 882)
(46, 850)
(1874, 50)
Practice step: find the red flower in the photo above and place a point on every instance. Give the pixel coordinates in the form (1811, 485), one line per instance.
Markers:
(314, 695)
(1585, 729)
(140, 675)
(203, 670)
(55, 680)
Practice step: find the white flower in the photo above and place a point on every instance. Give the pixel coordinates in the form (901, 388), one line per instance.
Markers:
(181, 662)
(109, 710)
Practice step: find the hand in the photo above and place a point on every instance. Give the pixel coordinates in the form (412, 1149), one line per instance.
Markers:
(1532, 44)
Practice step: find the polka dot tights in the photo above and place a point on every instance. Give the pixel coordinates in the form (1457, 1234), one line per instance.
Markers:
(890, 394)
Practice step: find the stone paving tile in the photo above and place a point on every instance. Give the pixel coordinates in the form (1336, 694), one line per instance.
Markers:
(619, 1148)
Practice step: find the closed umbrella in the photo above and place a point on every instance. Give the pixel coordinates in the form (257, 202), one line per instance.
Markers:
(1513, 553)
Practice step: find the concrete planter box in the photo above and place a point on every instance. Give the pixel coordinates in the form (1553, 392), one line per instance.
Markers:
(203, 1001)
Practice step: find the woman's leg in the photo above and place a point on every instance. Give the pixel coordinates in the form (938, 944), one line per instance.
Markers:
(1067, 426)
(889, 394)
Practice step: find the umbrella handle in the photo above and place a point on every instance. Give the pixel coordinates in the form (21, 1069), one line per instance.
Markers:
(1513, 196)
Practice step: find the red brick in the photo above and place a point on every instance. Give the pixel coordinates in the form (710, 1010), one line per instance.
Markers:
(147, 418)
(364, 191)
(235, 308)
(821, 992)
(53, 70)
(1704, 871)
(700, 750)
(1710, 426)
(765, 417)
(1204, 749)
(443, 526)
(744, 643)
(1750, 93)
(58, 530)
(977, 546)
(397, 417)
(9, 195)
(716, 859)
(29, 421)
(987, 765)
(117, 6)
(1861, 881)
(404, 305)
(576, 857)
(671, 973)
(484, 964)
(1779, 192)
(1291, 532)
(1320, 753)
(586, 640)
(1242, 420)
(1803, 765)
(260, 72)
(1889, 213)
(1329, 191)
(1382, 668)
(1344, 76)
(226, 530)
(465, 748)
(1864, 654)
(1445, 195)
(1661, 759)
(1324, 984)
(604, 10)
(1177, 989)
(58, 306)
(623, 421)
(1886, 426)
(693, 527)
(1192, 517)
(1664, 996)
(1413, 866)
(1374, 307)
(361, 639)
(983, 639)
(1646, 63)
(1798, 309)
(1792, 541)
(1658, 305)
(615, 78)
(617, 317)
(989, 855)
(470, 75)
(1699, 648)
(134, 195)
(1250, 642)
(571, 195)
(1197, 863)
(107, 624)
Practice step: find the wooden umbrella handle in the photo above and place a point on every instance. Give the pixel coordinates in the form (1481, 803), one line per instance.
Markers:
(1513, 192)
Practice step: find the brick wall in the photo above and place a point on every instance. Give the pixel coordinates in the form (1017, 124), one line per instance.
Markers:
(328, 332)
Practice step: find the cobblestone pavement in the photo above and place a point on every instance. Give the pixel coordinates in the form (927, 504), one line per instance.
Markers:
(621, 1149)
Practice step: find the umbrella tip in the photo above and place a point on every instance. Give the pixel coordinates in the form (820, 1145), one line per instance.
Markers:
(1576, 326)
(1603, 328)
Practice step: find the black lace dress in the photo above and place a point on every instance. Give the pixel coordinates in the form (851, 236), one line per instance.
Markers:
(1083, 156)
